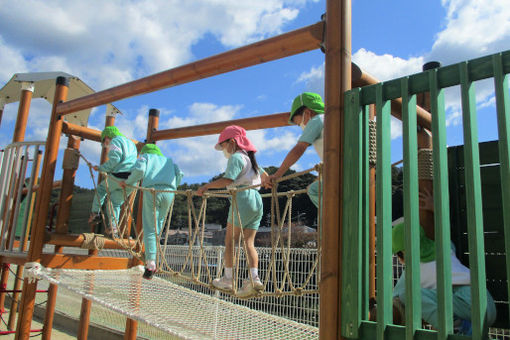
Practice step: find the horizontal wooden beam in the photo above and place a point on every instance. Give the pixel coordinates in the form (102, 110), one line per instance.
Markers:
(87, 133)
(361, 78)
(17, 259)
(284, 45)
(252, 123)
(66, 261)
(76, 240)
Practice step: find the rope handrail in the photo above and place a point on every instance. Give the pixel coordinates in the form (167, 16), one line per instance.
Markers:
(196, 267)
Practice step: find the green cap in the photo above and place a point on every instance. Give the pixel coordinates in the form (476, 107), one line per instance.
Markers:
(151, 148)
(427, 247)
(311, 100)
(110, 132)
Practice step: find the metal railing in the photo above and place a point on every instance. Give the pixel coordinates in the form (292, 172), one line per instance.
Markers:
(356, 186)
(18, 175)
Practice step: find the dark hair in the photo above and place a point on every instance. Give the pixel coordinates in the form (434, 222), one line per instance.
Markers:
(299, 111)
(253, 161)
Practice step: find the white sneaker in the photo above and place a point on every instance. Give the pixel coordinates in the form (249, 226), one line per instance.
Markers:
(223, 283)
(249, 289)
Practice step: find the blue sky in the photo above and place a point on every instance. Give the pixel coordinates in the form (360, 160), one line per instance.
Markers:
(109, 43)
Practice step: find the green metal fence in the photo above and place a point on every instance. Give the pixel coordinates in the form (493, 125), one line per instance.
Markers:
(356, 188)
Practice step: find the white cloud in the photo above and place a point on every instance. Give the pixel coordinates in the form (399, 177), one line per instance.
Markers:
(106, 43)
(386, 67)
(473, 28)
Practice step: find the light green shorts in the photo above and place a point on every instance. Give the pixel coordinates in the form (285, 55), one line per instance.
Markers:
(250, 208)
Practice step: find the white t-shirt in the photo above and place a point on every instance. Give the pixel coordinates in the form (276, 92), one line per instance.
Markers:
(460, 274)
(240, 170)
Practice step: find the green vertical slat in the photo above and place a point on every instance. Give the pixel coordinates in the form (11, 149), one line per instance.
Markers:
(365, 214)
(503, 111)
(383, 209)
(473, 203)
(441, 209)
(411, 212)
(351, 238)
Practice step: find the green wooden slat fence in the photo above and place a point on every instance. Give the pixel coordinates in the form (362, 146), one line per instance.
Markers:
(354, 323)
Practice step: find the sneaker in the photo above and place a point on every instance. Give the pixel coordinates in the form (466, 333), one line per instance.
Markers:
(249, 289)
(112, 232)
(223, 283)
(95, 221)
(148, 274)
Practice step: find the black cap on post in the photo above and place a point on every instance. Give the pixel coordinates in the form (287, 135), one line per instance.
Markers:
(431, 65)
(154, 112)
(63, 81)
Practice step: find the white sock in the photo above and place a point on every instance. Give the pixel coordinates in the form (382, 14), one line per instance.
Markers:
(150, 265)
(254, 272)
(228, 273)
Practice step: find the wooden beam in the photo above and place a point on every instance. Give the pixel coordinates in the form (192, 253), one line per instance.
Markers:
(87, 133)
(67, 261)
(76, 240)
(291, 43)
(252, 123)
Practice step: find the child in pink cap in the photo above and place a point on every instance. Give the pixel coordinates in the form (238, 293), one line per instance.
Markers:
(242, 171)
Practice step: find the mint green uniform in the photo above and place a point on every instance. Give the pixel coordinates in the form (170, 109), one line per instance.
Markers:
(312, 134)
(160, 173)
(249, 202)
(121, 158)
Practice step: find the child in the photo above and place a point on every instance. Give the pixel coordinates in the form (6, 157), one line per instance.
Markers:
(242, 170)
(161, 173)
(121, 158)
(307, 111)
(461, 279)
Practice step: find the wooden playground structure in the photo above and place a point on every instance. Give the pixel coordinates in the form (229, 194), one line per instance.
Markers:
(332, 35)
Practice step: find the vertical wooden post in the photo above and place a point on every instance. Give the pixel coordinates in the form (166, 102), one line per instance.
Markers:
(337, 81)
(19, 269)
(50, 306)
(86, 305)
(425, 142)
(65, 200)
(66, 191)
(27, 90)
(371, 221)
(42, 206)
(132, 325)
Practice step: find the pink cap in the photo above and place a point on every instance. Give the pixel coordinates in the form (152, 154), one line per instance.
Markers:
(239, 135)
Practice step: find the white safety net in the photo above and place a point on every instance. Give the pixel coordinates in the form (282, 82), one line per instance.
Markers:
(174, 309)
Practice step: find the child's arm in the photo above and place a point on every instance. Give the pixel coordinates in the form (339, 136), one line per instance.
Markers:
(217, 184)
(292, 157)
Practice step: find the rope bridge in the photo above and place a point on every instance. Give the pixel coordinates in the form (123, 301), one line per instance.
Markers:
(170, 307)
(196, 267)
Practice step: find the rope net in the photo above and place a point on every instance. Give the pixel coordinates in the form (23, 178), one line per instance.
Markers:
(196, 267)
(172, 308)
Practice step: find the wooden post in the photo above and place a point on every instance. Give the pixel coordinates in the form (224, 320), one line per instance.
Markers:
(86, 305)
(27, 90)
(337, 81)
(19, 269)
(42, 206)
(132, 325)
(425, 142)
(66, 191)
(65, 200)
(371, 222)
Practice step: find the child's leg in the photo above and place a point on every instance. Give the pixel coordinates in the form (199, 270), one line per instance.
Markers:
(253, 257)
(229, 262)
(99, 197)
(313, 193)
(149, 226)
